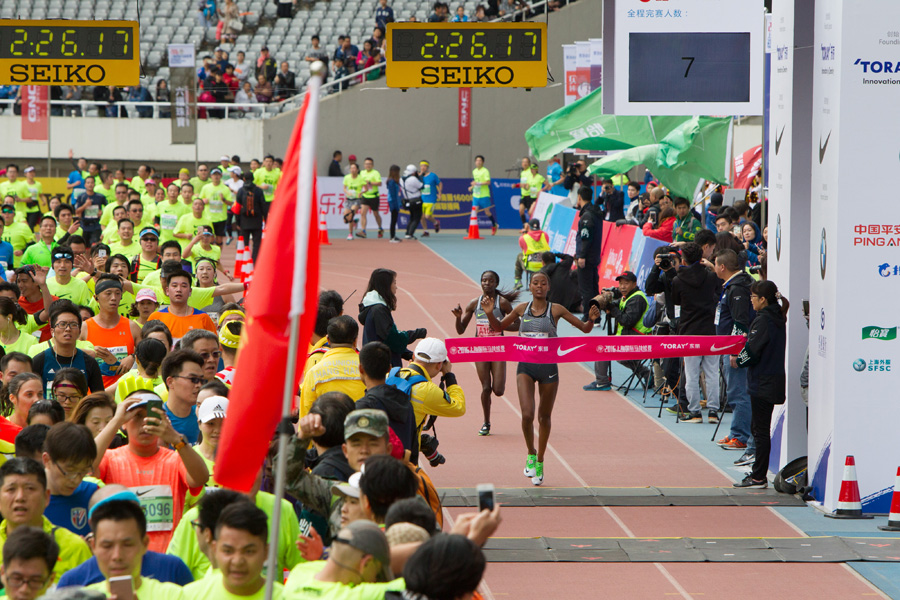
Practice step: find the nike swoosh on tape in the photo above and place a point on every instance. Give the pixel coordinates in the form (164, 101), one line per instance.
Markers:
(142, 493)
(715, 348)
(561, 352)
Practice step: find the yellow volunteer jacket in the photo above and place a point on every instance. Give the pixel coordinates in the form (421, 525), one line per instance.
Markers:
(429, 399)
(338, 371)
(315, 354)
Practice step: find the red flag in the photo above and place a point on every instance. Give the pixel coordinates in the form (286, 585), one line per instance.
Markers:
(35, 121)
(291, 233)
(746, 167)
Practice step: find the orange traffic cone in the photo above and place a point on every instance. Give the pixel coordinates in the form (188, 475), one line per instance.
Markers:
(849, 503)
(323, 230)
(239, 257)
(893, 523)
(473, 226)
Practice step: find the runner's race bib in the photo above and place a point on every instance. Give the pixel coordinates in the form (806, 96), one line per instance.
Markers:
(426, 191)
(120, 352)
(92, 212)
(483, 329)
(158, 506)
(168, 221)
(535, 334)
(216, 204)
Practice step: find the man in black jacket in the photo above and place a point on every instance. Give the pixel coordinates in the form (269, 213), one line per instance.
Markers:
(612, 202)
(563, 280)
(253, 212)
(374, 365)
(588, 246)
(659, 281)
(696, 290)
(735, 313)
(329, 460)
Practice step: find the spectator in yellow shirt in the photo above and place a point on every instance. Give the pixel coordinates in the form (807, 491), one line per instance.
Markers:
(338, 371)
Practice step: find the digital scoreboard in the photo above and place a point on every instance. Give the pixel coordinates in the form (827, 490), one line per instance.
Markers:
(61, 52)
(422, 55)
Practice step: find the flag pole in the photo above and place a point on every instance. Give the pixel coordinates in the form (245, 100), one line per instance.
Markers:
(302, 215)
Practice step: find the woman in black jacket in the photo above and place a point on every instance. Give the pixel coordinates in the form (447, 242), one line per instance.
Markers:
(378, 323)
(764, 354)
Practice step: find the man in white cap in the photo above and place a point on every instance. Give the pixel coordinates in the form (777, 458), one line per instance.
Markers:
(430, 360)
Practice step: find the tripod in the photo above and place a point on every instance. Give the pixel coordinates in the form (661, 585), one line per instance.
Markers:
(723, 400)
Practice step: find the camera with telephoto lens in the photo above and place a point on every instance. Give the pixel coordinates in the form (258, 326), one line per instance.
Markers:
(754, 269)
(428, 444)
(666, 260)
(607, 296)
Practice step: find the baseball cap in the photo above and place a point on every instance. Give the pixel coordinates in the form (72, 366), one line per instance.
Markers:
(534, 166)
(218, 49)
(224, 157)
(226, 376)
(410, 169)
(627, 276)
(8, 208)
(146, 294)
(368, 538)
(213, 407)
(235, 169)
(352, 158)
(534, 223)
(366, 420)
(149, 231)
(28, 170)
(149, 181)
(431, 350)
(350, 488)
(184, 170)
(216, 170)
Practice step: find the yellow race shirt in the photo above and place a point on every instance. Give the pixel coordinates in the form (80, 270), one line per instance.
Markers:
(72, 549)
(168, 215)
(76, 290)
(150, 589)
(188, 223)
(353, 186)
(302, 585)
(268, 177)
(372, 177)
(482, 187)
(218, 198)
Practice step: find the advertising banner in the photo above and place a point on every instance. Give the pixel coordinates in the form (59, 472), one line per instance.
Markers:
(35, 118)
(582, 69)
(183, 89)
(589, 349)
(596, 63)
(464, 122)
(560, 227)
(453, 208)
(570, 57)
(617, 242)
(853, 376)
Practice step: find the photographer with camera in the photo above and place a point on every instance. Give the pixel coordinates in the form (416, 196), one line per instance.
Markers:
(588, 247)
(627, 307)
(612, 202)
(696, 291)
(577, 178)
(659, 281)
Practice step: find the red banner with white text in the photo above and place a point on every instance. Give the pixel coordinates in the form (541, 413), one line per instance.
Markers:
(464, 133)
(34, 112)
(589, 349)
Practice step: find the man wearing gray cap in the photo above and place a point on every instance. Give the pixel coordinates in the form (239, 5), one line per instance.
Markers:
(366, 434)
(359, 566)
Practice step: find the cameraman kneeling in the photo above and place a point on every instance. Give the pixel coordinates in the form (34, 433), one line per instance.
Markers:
(629, 316)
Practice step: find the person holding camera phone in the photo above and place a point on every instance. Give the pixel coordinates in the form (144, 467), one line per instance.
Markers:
(629, 316)
(538, 319)
(696, 290)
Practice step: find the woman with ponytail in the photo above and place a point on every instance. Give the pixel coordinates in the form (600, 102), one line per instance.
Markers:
(11, 316)
(764, 356)
(491, 374)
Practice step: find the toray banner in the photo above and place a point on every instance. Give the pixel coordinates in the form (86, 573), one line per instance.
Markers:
(589, 349)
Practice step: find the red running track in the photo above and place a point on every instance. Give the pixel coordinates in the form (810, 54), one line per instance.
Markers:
(598, 439)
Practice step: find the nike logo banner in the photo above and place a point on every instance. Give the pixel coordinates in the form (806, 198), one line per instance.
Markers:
(579, 349)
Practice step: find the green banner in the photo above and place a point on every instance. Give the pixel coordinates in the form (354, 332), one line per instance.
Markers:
(679, 151)
(879, 333)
